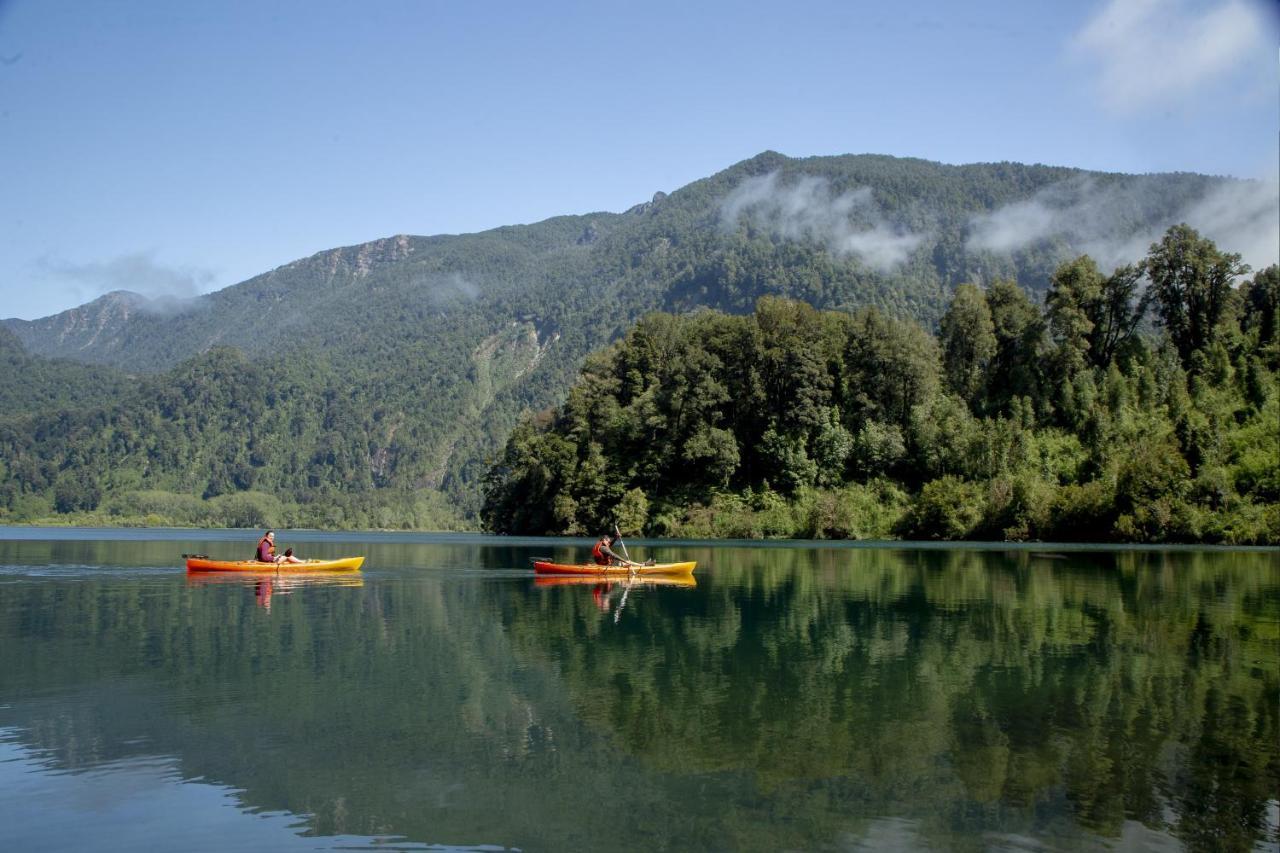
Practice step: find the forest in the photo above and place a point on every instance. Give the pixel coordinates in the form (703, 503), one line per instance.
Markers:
(1136, 405)
(376, 386)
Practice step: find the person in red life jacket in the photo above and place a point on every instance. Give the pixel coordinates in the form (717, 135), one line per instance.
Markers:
(267, 548)
(604, 556)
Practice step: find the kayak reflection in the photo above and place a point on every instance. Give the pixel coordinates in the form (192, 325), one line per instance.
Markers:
(606, 591)
(266, 584)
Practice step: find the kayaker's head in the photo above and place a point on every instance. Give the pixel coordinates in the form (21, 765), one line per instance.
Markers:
(270, 536)
(288, 552)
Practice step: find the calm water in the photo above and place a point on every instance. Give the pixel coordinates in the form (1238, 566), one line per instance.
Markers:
(796, 698)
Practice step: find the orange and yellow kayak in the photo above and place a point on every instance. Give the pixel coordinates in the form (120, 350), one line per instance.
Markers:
(544, 567)
(343, 564)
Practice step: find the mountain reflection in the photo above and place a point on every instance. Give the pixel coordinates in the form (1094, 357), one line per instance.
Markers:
(790, 698)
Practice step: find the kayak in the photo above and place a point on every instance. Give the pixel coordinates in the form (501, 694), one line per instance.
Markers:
(282, 580)
(204, 564)
(545, 567)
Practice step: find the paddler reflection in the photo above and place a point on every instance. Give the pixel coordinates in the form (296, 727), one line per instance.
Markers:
(610, 596)
(602, 597)
(266, 585)
(262, 594)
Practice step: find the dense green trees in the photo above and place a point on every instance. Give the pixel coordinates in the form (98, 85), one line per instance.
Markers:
(1016, 424)
(968, 341)
(381, 377)
(1191, 281)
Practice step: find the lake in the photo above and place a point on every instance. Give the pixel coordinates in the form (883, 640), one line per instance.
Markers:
(799, 696)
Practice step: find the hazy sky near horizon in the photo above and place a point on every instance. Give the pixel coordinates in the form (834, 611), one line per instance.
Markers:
(175, 148)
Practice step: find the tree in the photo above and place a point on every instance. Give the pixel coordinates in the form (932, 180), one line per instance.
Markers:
(1116, 314)
(1015, 369)
(1090, 317)
(1191, 284)
(890, 367)
(1075, 288)
(968, 342)
(1261, 299)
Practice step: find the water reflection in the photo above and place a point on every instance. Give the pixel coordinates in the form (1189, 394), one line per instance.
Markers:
(789, 698)
(610, 594)
(266, 584)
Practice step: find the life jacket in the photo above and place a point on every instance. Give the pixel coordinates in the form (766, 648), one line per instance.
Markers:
(257, 552)
(598, 554)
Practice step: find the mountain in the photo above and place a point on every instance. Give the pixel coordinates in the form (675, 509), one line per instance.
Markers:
(409, 359)
(30, 383)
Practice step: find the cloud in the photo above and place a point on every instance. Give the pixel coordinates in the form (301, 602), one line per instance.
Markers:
(1242, 217)
(1153, 52)
(440, 289)
(809, 210)
(166, 286)
(1117, 222)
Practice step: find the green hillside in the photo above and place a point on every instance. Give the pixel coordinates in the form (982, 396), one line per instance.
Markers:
(369, 385)
(30, 383)
(1013, 423)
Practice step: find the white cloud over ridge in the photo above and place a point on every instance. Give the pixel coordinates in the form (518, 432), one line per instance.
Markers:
(167, 287)
(848, 224)
(1154, 52)
(1116, 223)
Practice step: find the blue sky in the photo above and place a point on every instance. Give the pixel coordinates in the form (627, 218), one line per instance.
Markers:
(182, 147)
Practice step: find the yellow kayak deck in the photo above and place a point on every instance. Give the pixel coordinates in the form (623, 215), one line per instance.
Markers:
(343, 564)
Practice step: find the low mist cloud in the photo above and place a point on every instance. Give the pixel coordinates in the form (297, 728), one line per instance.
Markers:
(1099, 220)
(809, 210)
(167, 288)
(1242, 217)
(1153, 52)
(445, 288)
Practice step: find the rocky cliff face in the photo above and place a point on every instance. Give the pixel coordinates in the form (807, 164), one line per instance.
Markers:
(356, 261)
(90, 325)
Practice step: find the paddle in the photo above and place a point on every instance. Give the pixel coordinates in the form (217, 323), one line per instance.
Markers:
(617, 614)
(618, 535)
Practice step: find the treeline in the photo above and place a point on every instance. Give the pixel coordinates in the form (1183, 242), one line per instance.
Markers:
(220, 441)
(1139, 405)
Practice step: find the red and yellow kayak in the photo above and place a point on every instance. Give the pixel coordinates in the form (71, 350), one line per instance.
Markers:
(343, 564)
(544, 567)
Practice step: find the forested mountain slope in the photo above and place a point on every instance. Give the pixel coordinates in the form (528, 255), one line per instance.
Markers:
(400, 365)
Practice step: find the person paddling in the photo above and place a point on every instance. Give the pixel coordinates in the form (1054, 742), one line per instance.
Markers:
(604, 556)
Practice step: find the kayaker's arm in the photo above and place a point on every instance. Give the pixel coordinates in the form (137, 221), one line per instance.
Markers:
(609, 551)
